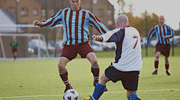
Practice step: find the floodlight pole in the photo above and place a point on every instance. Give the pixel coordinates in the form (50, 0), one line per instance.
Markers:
(146, 31)
(46, 16)
(62, 4)
(17, 15)
(90, 27)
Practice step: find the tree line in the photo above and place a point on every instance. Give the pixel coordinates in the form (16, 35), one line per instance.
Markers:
(138, 22)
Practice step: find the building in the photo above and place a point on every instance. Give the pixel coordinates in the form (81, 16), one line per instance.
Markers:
(26, 11)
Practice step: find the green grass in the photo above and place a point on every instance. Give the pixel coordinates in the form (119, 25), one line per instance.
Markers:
(151, 52)
(39, 80)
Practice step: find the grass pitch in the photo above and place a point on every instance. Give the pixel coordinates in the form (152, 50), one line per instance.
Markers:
(39, 80)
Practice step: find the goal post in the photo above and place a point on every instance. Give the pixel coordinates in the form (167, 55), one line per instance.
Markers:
(3, 52)
(36, 36)
(32, 40)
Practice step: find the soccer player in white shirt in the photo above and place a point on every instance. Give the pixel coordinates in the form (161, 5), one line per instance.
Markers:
(128, 59)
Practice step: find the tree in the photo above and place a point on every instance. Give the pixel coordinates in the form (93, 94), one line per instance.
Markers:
(131, 8)
(139, 22)
(152, 20)
(121, 4)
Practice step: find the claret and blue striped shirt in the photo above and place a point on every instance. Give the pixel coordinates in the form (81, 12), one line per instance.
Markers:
(75, 25)
(160, 31)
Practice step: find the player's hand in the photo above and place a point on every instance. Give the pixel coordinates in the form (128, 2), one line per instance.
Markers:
(164, 37)
(97, 38)
(144, 45)
(37, 23)
(94, 37)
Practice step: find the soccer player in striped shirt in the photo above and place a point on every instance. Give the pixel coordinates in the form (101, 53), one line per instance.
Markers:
(163, 33)
(128, 60)
(14, 46)
(75, 22)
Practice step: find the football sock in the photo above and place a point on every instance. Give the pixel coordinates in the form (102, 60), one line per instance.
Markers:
(64, 76)
(167, 66)
(14, 57)
(156, 63)
(95, 71)
(133, 96)
(98, 91)
(156, 60)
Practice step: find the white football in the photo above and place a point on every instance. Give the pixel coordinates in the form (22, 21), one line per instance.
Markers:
(71, 94)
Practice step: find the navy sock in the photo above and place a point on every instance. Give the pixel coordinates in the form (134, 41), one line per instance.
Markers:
(98, 91)
(133, 96)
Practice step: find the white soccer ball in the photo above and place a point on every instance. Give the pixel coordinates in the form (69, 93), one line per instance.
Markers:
(71, 94)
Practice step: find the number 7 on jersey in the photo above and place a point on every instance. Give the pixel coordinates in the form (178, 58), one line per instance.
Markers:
(135, 37)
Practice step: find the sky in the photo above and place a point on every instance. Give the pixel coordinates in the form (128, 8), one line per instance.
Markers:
(168, 8)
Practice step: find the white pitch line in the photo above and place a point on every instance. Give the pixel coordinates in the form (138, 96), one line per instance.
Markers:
(86, 93)
(32, 96)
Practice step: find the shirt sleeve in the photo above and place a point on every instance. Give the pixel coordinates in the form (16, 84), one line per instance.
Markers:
(10, 43)
(96, 23)
(112, 36)
(150, 35)
(17, 43)
(53, 20)
(170, 33)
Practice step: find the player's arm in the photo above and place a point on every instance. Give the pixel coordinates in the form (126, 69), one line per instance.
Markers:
(170, 33)
(110, 36)
(17, 43)
(10, 43)
(150, 35)
(97, 38)
(96, 23)
(52, 21)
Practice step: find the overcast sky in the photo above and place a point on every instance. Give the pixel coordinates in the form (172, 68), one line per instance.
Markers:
(170, 9)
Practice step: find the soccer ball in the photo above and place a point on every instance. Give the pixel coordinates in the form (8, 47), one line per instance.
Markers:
(71, 94)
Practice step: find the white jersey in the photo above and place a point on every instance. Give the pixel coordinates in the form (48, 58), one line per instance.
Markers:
(128, 49)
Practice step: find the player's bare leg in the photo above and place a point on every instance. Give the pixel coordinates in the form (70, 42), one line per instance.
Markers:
(167, 65)
(15, 55)
(156, 63)
(128, 93)
(103, 80)
(62, 63)
(94, 66)
(99, 88)
(63, 72)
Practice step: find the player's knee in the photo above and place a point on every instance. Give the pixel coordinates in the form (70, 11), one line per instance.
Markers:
(61, 65)
(166, 61)
(95, 62)
(157, 57)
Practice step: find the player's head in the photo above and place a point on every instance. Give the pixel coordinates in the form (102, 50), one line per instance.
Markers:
(122, 21)
(14, 37)
(75, 4)
(161, 20)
